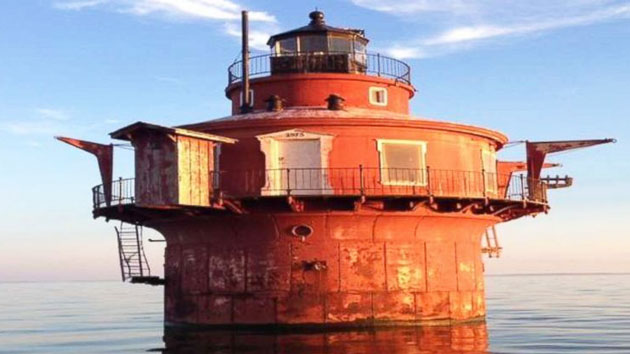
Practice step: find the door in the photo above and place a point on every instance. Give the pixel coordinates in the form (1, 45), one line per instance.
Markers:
(299, 167)
(489, 166)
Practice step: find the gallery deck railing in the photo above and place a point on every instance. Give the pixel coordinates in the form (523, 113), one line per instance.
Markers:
(353, 181)
(373, 64)
(123, 192)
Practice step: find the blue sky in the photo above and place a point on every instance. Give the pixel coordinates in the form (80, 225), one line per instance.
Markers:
(537, 70)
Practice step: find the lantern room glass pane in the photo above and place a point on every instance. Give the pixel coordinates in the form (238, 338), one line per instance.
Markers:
(287, 46)
(339, 45)
(359, 52)
(314, 44)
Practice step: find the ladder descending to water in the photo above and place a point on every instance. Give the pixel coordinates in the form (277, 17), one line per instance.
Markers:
(492, 247)
(133, 261)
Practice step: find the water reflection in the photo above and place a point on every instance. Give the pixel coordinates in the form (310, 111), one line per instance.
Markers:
(457, 339)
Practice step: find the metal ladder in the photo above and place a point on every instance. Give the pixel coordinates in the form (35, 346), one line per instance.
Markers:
(133, 261)
(492, 247)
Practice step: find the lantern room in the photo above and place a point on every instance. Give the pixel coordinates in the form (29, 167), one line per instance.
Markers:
(311, 65)
(319, 48)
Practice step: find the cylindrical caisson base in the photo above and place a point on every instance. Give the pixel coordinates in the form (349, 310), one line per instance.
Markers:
(324, 269)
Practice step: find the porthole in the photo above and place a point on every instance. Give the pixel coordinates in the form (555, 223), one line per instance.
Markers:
(301, 231)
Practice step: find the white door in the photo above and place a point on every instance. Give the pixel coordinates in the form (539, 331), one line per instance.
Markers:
(299, 167)
(489, 165)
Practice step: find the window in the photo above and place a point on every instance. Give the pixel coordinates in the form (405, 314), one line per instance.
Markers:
(339, 45)
(403, 162)
(378, 96)
(251, 98)
(314, 44)
(489, 165)
(286, 46)
(359, 52)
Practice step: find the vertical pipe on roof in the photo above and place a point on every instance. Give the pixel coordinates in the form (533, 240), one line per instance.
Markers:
(246, 104)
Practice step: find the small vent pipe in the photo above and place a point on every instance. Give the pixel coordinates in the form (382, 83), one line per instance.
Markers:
(246, 107)
(335, 102)
(275, 103)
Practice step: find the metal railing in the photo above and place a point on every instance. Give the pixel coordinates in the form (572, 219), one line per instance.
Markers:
(355, 181)
(358, 63)
(375, 181)
(123, 192)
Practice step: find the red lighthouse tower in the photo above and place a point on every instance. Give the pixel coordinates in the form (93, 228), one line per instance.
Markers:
(320, 201)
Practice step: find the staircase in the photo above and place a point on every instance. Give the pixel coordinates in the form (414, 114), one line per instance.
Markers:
(133, 261)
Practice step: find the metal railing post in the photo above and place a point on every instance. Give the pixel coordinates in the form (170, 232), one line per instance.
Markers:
(483, 181)
(361, 185)
(428, 176)
(522, 188)
(120, 190)
(288, 181)
(138, 242)
(216, 185)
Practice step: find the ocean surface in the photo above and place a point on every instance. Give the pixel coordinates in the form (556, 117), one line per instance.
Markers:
(526, 314)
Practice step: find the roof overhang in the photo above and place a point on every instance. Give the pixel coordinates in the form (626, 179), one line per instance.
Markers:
(126, 133)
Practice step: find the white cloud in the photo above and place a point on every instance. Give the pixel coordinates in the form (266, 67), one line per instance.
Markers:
(50, 113)
(226, 11)
(464, 34)
(207, 9)
(78, 5)
(415, 6)
(194, 9)
(257, 38)
(470, 23)
(402, 52)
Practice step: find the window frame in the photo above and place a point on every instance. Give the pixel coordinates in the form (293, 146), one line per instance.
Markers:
(374, 89)
(348, 40)
(303, 40)
(278, 47)
(422, 145)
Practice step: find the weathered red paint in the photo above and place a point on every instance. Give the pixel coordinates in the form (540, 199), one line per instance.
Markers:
(378, 268)
(104, 156)
(311, 90)
(537, 151)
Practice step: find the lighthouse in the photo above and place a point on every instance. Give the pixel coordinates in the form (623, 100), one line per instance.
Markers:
(320, 201)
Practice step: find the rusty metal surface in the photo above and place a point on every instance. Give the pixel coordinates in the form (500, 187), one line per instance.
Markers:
(353, 268)
(105, 157)
(537, 151)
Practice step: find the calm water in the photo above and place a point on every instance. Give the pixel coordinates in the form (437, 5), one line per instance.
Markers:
(526, 314)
